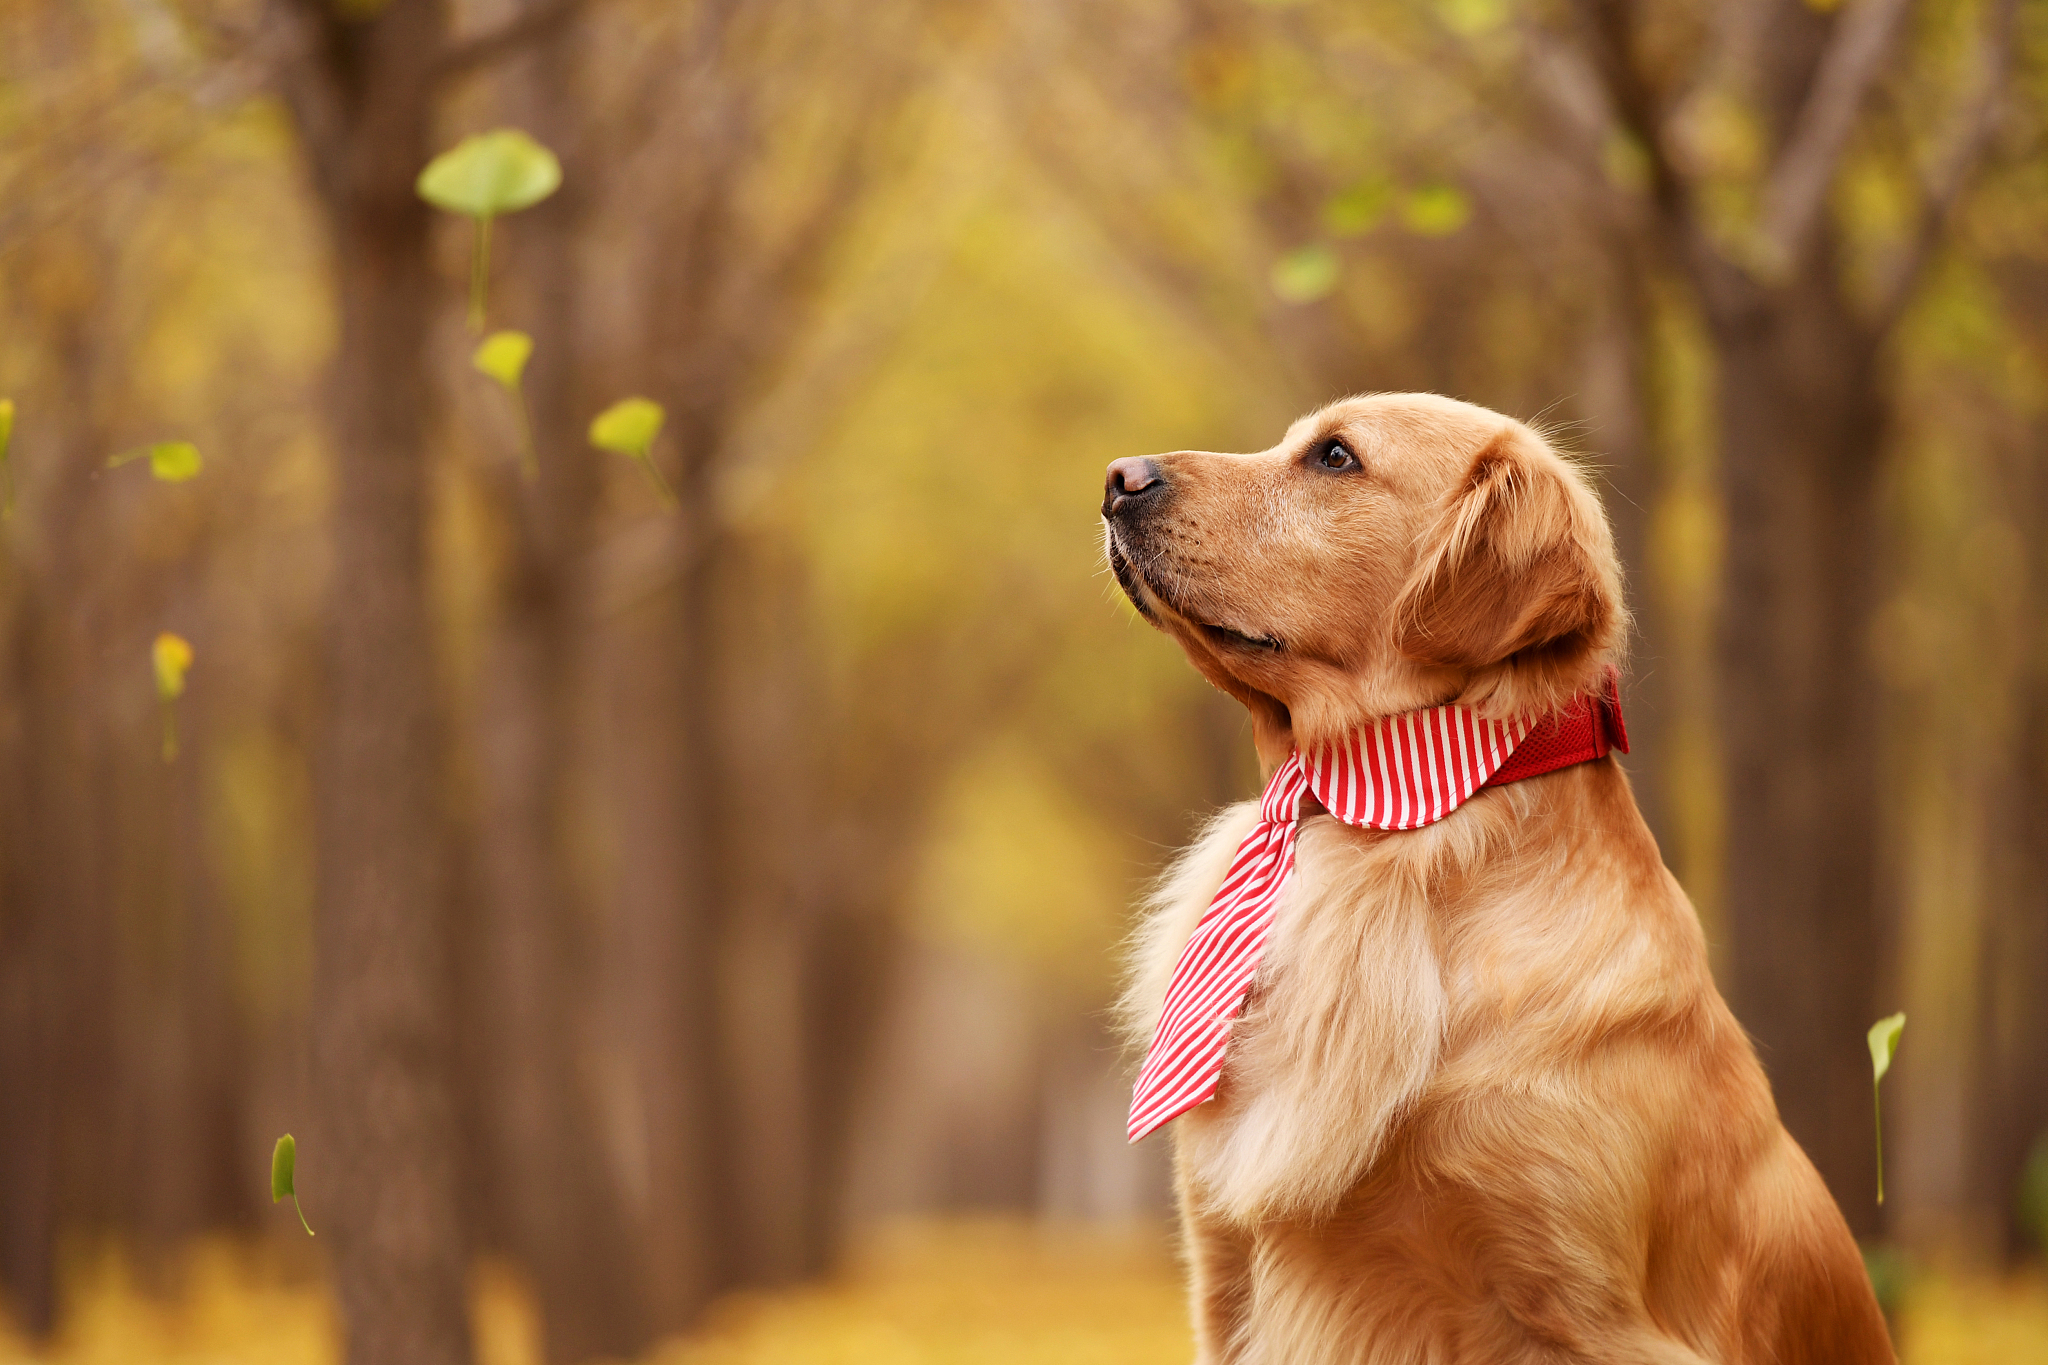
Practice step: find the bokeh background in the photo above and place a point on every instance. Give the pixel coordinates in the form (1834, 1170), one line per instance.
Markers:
(683, 932)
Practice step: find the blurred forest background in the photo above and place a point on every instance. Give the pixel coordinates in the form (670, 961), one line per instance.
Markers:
(649, 899)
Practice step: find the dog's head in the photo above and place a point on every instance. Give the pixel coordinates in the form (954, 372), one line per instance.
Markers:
(1391, 552)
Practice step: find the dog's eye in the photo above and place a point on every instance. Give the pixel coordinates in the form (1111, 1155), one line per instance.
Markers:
(1337, 455)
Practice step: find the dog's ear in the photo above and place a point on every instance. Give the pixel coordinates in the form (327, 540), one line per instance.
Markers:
(1520, 563)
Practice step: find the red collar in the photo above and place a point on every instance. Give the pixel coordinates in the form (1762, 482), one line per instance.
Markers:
(1584, 730)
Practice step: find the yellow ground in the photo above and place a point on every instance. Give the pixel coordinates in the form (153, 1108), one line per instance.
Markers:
(987, 1293)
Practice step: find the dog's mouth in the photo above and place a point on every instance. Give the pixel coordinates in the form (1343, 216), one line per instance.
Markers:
(1224, 635)
(1144, 594)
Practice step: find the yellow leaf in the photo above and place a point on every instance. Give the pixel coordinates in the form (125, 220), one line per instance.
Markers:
(503, 356)
(628, 426)
(174, 461)
(172, 656)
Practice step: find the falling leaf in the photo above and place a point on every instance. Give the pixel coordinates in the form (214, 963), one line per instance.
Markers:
(6, 464)
(1436, 210)
(1890, 1272)
(284, 1159)
(502, 171)
(172, 656)
(503, 356)
(174, 461)
(169, 461)
(1357, 210)
(1884, 1045)
(2032, 1196)
(1306, 273)
(629, 427)
(482, 176)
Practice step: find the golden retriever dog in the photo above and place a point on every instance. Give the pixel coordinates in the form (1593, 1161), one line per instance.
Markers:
(1483, 1101)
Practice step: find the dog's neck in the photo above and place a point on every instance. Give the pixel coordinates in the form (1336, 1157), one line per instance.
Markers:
(1502, 692)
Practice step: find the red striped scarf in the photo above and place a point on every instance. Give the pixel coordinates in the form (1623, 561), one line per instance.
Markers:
(1402, 772)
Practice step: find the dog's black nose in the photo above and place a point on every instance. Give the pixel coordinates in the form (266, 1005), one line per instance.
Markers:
(1129, 479)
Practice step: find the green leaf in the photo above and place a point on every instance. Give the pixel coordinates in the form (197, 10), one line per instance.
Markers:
(501, 171)
(284, 1160)
(174, 461)
(503, 357)
(172, 656)
(1890, 1272)
(1436, 210)
(1357, 210)
(1306, 273)
(2032, 1196)
(1884, 1044)
(628, 426)
(170, 461)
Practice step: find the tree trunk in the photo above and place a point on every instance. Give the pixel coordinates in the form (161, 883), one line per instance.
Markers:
(53, 913)
(804, 948)
(553, 1185)
(55, 979)
(665, 798)
(380, 1170)
(2012, 1008)
(1801, 428)
(1618, 402)
(666, 945)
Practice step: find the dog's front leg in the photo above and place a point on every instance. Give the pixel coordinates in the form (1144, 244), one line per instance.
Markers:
(1219, 1278)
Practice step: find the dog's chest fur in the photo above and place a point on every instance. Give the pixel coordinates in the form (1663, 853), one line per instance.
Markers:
(1344, 1027)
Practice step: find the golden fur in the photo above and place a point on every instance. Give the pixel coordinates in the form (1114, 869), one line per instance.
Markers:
(1484, 1103)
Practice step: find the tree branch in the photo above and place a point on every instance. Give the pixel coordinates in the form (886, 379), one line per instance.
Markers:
(1798, 184)
(1610, 40)
(1679, 237)
(1975, 125)
(1578, 111)
(294, 36)
(530, 26)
